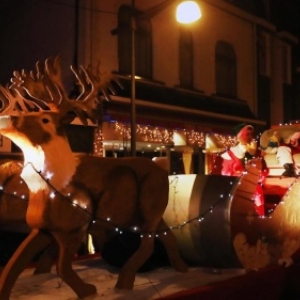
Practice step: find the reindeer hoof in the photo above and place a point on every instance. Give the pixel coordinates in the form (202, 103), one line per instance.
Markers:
(181, 267)
(124, 285)
(86, 291)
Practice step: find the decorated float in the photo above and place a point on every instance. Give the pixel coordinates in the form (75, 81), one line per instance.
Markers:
(238, 214)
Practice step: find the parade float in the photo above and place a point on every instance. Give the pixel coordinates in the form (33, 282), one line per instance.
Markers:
(246, 218)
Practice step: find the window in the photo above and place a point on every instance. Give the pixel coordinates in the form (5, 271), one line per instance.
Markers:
(186, 58)
(225, 70)
(143, 43)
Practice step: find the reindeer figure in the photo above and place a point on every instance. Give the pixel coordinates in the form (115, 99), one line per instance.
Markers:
(72, 194)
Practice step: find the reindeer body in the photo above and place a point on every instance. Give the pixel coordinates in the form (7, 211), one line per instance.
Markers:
(124, 180)
(94, 181)
(72, 194)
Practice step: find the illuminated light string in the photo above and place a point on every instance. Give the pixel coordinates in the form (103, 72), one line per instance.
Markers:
(148, 133)
(98, 143)
(11, 194)
(158, 134)
(290, 189)
(118, 229)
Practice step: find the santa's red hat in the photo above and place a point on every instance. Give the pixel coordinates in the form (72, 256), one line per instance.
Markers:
(244, 133)
(241, 127)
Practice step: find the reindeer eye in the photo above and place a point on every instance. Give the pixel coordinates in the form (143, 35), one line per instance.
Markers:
(45, 120)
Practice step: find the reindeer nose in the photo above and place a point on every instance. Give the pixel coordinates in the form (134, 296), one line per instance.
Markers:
(4, 122)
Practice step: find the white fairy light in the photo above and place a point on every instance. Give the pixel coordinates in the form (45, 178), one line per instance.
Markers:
(49, 175)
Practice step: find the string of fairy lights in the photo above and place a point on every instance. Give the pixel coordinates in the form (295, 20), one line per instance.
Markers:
(205, 139)
(156, 134)
(292, 189)
(94, 219)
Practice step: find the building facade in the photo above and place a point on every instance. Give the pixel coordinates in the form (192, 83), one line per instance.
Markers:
(230, 67)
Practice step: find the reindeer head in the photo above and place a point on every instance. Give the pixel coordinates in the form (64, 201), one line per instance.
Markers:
(36, 106)
(37, 102)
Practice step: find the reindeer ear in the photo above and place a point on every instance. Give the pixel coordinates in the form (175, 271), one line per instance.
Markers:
(68, 118)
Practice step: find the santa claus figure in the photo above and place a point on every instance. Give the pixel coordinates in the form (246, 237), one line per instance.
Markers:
(232, 162)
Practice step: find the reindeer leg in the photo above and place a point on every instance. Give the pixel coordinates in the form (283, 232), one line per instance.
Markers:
(68, 245)
(35, 242)
(128, 271)
(170, 244)
(152, 201)
(46, 260)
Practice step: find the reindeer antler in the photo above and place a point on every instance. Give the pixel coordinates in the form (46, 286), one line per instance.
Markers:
(90, 84)
(14, 102)
(44, 90)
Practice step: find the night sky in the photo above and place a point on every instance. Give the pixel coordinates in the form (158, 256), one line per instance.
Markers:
(286, 13)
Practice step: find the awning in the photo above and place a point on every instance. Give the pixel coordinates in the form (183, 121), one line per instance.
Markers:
(158, 105)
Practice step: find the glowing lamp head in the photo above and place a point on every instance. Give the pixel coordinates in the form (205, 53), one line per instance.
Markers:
(188, 12)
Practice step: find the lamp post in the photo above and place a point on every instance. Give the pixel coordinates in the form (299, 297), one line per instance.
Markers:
(132, 103)
(187, 12)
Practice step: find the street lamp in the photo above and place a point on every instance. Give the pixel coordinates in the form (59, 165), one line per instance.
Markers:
(187, 12)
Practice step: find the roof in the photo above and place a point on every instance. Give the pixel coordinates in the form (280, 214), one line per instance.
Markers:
(160, 103)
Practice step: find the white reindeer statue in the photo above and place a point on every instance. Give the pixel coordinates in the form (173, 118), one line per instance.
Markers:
(72, 194)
